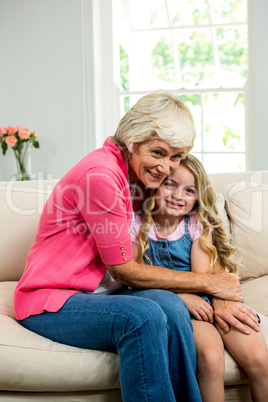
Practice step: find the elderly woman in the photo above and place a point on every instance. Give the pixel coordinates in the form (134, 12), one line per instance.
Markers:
(75, 286)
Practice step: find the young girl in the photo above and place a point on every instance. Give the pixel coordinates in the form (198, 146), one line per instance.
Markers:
(181, 229)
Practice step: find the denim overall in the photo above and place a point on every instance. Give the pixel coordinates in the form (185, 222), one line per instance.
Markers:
(173, 254)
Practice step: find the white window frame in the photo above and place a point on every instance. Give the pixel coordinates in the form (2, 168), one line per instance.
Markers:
(256, 86)
(199, 89)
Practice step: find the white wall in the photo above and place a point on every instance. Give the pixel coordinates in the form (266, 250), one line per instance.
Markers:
(46, 80)
(51, 80)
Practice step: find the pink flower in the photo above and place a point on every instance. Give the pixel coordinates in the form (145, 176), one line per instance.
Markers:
(24, 134)
(3, 131)
(21, 128)
(11, 130)
(11, 140)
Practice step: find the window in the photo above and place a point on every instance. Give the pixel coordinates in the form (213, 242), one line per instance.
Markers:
(197, 49)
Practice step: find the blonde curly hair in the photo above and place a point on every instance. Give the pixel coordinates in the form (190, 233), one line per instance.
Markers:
(221, 250)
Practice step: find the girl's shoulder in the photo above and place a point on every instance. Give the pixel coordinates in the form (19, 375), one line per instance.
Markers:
(195, 227)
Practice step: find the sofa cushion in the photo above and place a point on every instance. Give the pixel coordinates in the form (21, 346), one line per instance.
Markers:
(63, 368)
(6, 298)
(20, 205)
(30, 362)
(255, 294)
(246, 205)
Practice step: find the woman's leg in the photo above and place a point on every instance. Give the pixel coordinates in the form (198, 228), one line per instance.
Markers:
(210, 361)
(251, 353)
(137, 329)
(182, 352)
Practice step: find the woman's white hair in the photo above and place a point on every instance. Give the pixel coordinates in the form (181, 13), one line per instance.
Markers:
(157, 114)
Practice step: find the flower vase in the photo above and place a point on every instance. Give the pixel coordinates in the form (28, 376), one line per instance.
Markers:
(23, 161)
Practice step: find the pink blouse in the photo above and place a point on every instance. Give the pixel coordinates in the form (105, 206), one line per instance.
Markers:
(84, 227)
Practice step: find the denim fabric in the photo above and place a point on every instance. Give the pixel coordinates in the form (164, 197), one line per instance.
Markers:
(150, 330)
(173, 254)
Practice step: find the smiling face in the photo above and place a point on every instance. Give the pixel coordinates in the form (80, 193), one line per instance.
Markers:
(177, 195)
(152, 161)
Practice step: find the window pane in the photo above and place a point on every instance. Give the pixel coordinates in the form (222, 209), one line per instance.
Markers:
(194, 104)
(124, 69)
(124, 105)
(216, 163)
(192, 53)
(198, 156)
(147, 14)
(188, 12)
(140, 68)
(126, 102)
(224, 11)
(224, 116)
(195, 55)
(233, 52)
(163, 68)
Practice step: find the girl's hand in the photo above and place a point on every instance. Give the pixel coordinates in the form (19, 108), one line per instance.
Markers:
(197, 306)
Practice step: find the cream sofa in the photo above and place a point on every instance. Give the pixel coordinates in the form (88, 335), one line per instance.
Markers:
(34, 368)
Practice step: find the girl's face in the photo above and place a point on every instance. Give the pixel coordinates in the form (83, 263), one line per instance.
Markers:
(177, 194)
(152, 161)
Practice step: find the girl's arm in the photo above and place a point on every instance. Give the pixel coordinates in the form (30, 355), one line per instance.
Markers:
(197, 306)
(199, 257)
(200, 261)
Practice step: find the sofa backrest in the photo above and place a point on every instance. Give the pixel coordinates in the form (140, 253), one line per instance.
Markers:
(246, 200)
(220, 180)
(21, 204)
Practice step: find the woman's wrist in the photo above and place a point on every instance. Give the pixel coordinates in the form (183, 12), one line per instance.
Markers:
(193, 282)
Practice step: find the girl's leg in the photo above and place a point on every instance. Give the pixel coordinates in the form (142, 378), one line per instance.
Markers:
(137, 328)
(251, 353)
(182, 352)
(210, 361)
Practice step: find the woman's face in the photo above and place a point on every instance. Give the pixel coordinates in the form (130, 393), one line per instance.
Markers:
(177, 194)
(152, 161)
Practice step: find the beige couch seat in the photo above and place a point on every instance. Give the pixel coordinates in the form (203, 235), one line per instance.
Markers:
(35, 368)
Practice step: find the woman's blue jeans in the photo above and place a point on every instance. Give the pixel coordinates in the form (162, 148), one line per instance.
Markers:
(150, 330)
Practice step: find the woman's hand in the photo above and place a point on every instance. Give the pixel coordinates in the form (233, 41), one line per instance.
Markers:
(225, 286)
(228, 313)
(197, 306)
